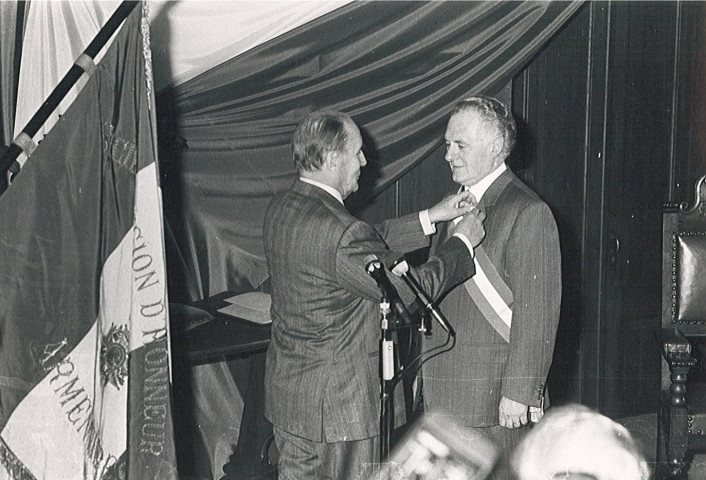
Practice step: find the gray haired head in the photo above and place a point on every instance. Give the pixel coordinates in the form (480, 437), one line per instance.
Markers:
(494, 114)
(316, 135)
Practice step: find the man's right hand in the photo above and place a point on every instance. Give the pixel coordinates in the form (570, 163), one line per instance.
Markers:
(471, 226)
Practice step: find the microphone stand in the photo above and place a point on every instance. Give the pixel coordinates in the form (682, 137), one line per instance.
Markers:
(389, 318)
(387, 374)
(401, 269)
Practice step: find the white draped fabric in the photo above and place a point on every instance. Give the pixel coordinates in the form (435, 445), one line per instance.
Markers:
(188, 38)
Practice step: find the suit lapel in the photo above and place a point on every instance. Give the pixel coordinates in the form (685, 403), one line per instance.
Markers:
(491, 196)
(495, 189)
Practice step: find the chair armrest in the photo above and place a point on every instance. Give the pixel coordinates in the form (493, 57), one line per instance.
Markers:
(673, 341)
(676, 348)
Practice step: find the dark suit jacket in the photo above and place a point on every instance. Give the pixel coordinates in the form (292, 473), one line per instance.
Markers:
(321, 379)
(522, 242)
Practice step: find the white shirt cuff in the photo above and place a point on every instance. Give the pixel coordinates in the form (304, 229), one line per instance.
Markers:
(467, 242)
(428, 227)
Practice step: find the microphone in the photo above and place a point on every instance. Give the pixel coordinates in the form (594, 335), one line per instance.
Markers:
(375, 269)
(401, 269)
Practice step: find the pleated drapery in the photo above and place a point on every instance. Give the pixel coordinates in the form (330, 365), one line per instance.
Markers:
(395, 67)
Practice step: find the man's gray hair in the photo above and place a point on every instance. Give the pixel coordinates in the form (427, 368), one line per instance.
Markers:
(494, 113)
(316, 135)
(573, 441)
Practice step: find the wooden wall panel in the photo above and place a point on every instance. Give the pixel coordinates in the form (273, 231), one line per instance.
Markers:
(430, 181)
(690, 106)
(550, 107)
(637, 157)
(592, 287)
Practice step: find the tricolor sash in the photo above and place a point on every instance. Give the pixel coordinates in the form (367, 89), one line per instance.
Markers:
(494, 299)
(491, 294)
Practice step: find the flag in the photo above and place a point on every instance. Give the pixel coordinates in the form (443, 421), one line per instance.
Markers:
(55, 33)
(85, 366)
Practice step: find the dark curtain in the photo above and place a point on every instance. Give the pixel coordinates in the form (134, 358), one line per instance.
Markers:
(395, 67)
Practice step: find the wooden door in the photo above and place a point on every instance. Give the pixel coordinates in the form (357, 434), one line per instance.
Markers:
(597, 111)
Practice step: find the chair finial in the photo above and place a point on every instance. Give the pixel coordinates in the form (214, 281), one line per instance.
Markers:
(699, 199)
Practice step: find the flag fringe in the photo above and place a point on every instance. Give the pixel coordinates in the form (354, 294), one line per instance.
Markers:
(118, 470)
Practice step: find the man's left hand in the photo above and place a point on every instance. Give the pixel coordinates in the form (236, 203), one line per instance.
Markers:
(452, 207)
(512, 414)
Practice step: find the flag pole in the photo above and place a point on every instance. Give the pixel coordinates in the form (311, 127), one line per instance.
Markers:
(66, 83)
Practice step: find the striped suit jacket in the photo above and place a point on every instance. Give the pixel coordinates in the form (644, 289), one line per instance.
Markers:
(522, 242)
(321, 377)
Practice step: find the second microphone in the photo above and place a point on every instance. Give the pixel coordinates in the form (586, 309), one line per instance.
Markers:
(376, 269)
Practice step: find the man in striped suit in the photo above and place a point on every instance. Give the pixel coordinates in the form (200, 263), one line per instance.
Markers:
(506, 316)
(322, 390)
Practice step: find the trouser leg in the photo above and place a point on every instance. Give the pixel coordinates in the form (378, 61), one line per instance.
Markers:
(300, 458)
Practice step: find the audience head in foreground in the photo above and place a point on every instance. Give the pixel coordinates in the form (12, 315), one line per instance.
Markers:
(574, 442)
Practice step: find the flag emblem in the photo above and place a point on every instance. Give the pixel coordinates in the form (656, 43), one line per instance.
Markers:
(114, 356)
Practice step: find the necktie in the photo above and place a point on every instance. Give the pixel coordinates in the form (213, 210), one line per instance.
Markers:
(473, 202)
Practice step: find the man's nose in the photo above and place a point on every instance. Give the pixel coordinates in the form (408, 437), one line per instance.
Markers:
(362, 160)
(450, 153)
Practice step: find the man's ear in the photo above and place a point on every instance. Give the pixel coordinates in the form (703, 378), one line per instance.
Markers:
(496, 146)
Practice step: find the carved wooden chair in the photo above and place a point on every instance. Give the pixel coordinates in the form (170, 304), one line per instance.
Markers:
(682, 417)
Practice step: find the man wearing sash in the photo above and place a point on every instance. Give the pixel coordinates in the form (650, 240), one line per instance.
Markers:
(507, 314)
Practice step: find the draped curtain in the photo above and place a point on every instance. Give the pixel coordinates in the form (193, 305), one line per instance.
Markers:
(191, 37)
(395, 67)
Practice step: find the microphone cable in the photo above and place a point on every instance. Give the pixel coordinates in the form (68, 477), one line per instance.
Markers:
(438, 350)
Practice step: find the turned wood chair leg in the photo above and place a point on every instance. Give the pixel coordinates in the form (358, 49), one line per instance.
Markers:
(677, 435)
